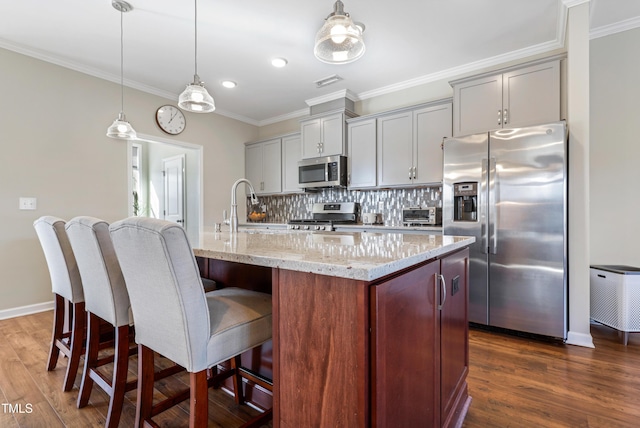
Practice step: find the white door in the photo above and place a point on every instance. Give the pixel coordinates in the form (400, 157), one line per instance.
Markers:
(173, 169)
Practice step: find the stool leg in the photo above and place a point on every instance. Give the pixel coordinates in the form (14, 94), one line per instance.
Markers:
(238, 393)
(90, 359)
(119, 383)
(77, 337)
(144, 404)
(198, 400)
(56, 334)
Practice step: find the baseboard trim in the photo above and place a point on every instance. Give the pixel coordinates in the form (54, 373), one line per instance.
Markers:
(580, 339)
(25, 310)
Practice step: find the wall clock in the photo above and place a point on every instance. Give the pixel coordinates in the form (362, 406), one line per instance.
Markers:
(170, 119)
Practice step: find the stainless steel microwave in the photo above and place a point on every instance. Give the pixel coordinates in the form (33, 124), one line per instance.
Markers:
(329, 171)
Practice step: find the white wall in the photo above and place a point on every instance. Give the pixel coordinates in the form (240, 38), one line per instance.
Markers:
(53, 147)
(615, 149)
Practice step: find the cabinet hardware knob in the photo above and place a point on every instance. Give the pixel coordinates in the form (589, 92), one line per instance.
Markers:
(505, 117)
(499, 117)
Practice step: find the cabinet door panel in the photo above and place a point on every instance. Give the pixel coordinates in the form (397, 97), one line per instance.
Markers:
(332, 135)
(454, 349)
(271, 167)
(253, 165)
(395, 149)
(291, 154)
(478, 106)
(362, 154)
(531, 96)
(311, 138)
(430, 126)
(404, 340)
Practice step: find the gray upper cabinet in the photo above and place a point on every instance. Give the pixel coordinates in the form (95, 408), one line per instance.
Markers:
(323, 136)
(431, 125)
(395, 149)
(291, 154)
(361, 136)
(514, 97)
(263, 166)
(409, 145)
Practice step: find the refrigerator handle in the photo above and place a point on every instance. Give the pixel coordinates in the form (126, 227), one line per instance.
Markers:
(493, 218)
(482, 205)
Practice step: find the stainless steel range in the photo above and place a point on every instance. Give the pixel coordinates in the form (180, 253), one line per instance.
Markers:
(325, 215)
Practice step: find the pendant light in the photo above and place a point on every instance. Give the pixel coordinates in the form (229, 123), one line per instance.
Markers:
(195, 97)
(339, 41)
(120, 128)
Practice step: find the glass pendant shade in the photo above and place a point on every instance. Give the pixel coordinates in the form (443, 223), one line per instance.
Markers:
(195, 98)
(339, 41)
(121, 129)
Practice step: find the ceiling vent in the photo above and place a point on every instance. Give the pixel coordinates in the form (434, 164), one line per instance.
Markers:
(327, 81)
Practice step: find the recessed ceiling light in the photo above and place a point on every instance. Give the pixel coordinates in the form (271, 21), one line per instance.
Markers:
(229, 84)
(279, 62)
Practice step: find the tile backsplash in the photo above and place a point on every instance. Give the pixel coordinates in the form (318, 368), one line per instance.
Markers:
(389, 202)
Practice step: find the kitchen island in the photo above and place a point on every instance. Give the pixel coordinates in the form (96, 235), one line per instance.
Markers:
(370, 329)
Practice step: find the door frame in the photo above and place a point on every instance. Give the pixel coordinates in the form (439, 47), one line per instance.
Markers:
(192, 186)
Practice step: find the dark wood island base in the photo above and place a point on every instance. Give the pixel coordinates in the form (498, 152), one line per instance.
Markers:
(392, 352)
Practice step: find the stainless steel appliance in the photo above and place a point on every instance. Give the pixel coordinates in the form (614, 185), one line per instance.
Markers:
(325, 215)
(328, 171)
(429, 216)
(508, 188)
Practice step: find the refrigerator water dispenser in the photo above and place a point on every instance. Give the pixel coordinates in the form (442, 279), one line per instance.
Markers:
(465, 201)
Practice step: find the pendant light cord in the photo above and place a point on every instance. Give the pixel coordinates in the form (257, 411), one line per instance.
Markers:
(196, 37)
(121, 62)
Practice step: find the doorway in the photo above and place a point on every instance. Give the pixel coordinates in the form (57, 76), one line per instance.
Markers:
(147, 194)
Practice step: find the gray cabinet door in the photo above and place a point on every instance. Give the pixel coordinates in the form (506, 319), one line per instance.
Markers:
(430, 126)
(395, 149)
(362, 154)
(291, 154)
(477, 105)
(531, 95)
(271, 167)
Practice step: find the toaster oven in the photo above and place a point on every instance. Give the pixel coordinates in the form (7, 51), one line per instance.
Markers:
(430, 216)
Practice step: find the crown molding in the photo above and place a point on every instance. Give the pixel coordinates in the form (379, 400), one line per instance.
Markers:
(343, 93)
(618, 27)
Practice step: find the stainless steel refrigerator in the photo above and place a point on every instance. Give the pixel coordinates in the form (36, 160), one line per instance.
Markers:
(508, 188)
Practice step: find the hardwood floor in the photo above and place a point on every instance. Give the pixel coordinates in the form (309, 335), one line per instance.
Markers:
(24, 382)
(514, 382)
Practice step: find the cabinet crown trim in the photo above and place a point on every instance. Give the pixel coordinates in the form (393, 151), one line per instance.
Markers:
(275, 137)
(401, 110)
(347, 114)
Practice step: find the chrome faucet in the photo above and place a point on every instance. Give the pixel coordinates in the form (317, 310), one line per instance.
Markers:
(233, 220)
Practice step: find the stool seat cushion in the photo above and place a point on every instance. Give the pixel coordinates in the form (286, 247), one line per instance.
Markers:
(240, 320)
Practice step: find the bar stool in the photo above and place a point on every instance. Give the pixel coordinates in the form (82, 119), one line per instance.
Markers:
(195, 329)
(106, 300)
(67, 287)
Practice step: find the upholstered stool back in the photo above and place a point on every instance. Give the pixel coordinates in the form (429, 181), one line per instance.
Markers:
(105, 291)
(167, 298)
(63, 269)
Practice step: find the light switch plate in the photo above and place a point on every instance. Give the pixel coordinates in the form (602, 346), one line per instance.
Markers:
(28, 203)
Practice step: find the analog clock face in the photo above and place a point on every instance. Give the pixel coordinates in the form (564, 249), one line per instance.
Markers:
(170, 119)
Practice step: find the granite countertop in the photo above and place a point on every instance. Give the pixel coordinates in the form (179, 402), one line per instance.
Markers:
(355, 255)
